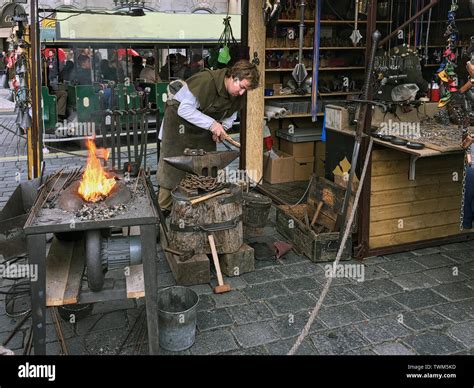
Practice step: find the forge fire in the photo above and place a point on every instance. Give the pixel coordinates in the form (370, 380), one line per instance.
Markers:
(95, 184)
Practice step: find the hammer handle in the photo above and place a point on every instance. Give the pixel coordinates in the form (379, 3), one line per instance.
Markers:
(207, 196)
(215, 258)
(316, 215)
(232, 141)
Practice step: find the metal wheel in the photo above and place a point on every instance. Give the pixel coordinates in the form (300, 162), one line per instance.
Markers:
(95, 273)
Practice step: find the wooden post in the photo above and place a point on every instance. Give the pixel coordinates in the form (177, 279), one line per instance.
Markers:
(253, 137)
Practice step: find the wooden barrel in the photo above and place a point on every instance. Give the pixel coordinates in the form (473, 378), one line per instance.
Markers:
(220, 216)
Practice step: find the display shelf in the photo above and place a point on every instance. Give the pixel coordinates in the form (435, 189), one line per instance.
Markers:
(280, 96)
(320, 69)
(311, 49)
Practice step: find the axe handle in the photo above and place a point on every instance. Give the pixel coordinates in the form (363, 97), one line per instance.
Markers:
(215, 258)
(207, 196)
(232, 141)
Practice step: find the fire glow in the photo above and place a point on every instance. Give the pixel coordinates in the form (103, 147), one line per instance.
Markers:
(95, 185)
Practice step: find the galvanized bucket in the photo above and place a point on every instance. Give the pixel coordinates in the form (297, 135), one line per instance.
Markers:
(256, 210)
(177, 317)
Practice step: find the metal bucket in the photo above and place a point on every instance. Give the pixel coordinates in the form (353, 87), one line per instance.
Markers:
(177, 317)
(256, 210)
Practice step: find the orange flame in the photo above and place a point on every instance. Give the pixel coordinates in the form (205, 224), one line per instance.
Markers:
(95, 185)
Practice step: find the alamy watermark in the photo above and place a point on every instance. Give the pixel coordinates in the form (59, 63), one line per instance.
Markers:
(16, 271)
(229, 175)
(400, 128)
(65, 129)
(349, 271)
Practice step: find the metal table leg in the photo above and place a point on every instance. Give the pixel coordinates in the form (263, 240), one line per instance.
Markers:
(37, 257)
(148, 240)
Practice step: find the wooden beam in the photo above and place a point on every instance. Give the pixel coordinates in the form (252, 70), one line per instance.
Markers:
(255, 102)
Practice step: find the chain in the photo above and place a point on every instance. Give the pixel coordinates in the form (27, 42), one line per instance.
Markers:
(195, 182)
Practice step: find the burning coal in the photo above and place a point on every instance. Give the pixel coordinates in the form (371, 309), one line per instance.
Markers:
(95, 184)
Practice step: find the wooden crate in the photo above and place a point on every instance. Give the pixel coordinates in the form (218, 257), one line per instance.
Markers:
(317, 247)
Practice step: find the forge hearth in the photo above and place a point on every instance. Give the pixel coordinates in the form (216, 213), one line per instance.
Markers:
(71, 201)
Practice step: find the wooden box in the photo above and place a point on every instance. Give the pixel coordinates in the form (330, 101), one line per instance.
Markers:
(317, 247)
(337, 118)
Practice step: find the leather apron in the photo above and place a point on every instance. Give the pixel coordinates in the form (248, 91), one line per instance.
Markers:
(179, 134)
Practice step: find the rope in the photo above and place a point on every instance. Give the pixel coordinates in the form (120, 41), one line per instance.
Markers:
(316, 309)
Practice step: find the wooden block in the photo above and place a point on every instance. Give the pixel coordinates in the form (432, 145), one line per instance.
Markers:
(238, 263)
(391, 197)
(58, 263)
(76, 271)
(135, 282)
(196, 270)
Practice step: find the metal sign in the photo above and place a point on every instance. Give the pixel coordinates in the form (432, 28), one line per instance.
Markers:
(7, 13)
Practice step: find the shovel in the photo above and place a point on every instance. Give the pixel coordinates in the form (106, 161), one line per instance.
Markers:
(299, 73)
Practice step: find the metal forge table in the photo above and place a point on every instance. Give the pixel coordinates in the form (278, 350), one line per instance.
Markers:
(140, 212)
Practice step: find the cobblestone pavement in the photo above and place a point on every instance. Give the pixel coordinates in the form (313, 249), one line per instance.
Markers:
(419, 302)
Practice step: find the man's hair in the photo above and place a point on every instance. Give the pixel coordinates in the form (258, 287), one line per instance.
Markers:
(150, 61)
(243, 69)
(82, 59)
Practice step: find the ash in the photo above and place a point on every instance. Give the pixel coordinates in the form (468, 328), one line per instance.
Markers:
(99, 211)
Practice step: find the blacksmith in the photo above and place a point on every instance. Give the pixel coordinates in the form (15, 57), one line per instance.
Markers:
(199, 115)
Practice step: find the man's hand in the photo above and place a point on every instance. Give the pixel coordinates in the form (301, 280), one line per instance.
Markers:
(218, 132)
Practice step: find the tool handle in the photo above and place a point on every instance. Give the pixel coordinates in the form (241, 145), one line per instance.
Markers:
(215, 258)
(232, 141)
(207, 196)
(316, 215)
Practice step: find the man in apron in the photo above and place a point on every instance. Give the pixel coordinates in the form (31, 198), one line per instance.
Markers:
(199, 115)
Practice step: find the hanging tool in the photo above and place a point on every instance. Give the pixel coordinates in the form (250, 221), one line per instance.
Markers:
(300, 73)
(356, 36)
(317, 46)
(341, 221)
(221, 288)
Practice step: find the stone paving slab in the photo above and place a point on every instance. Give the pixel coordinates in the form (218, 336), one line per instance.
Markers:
(393, 349)
(433, 343)
(343, 315)
(265, 291)
(413, 281)
(418, 299)
(214, 342)
(213, 319)
(449, 274)
(290, 304)
(281, 348)
(250, 313)
(291, 325)
(434, 260)
(395, 268)
(254, 334)
(338, 341)
(380, 307)
(383, 329)
(463, 332)
(422, 319)
(454, 291)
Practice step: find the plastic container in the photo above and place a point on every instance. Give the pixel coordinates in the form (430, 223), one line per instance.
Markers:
(177, 308)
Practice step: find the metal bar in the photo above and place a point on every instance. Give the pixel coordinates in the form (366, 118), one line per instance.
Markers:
(408, 22)
(112, 138)
(118, 122)
(359, 131)
(135, 136)
(37, 257)
(148, 240)
(35, 143)
(362, 244)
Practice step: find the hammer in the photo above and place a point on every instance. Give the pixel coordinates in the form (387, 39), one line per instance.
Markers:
(221, 288)
(209, 196)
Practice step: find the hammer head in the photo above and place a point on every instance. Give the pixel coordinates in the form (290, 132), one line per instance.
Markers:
(207, 164)
(221, 289)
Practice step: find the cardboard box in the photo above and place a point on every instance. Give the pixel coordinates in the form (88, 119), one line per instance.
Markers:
(337, 117)
(320, 160)
(279, 170)
(303, 168)
(298, 150)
